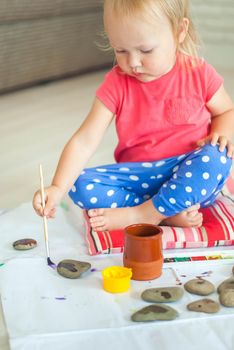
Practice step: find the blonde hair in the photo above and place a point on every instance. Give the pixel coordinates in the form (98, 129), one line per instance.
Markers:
(150, 10)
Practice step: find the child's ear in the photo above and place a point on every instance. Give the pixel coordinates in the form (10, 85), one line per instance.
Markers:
(183, 29)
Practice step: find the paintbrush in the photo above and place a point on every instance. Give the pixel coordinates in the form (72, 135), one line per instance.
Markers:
(49, 262)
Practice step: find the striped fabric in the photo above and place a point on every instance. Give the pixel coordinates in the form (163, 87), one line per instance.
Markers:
(217, 229)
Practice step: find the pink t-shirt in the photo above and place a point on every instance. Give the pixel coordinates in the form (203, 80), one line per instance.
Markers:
(164, 117)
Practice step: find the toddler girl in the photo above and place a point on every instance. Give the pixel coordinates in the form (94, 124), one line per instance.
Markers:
(174, 122)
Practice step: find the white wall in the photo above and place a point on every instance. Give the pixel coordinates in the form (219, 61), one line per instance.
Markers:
(214, 20)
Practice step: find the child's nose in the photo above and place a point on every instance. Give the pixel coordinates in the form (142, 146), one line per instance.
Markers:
(134, 60)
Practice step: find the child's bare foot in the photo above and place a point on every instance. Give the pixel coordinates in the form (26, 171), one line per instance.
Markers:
(187, 218)
(115, 218)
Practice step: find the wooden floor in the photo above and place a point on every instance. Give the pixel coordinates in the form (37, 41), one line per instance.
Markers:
(35, 124)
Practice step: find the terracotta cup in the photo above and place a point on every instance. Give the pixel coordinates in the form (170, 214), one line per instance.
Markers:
(143, 251)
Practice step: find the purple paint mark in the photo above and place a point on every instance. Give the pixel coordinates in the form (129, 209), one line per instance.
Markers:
(60, 298)
(93, 270)
(183, 276)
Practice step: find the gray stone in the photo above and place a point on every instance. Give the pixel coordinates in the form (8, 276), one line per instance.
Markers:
(226, 297)
(204, 305)
(25, 244)
(72, 268)
(162, 295)
(155, 312)
(199, 286)
(226, 284)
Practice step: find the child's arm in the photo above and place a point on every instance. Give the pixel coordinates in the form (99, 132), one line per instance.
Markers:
(222, 122)
(74, 157)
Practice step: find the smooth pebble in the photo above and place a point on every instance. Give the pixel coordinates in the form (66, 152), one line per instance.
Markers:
(206, 305)
(155, 312)
(226, 297)
(199, 286)
(226, 284)
(72, 268)
(25, 244)
(162, 295)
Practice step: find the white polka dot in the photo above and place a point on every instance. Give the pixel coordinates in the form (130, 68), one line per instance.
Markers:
(146, 196)
(181, 157)
(110, 193)
(101, 170)
(73, 189)
(174, 176)
(160, 163)
(134, 177)
(112, 177)
(173, 187)
(126, 198)
(188, 189)
(189, 162)
(161, 209)
(153, 177)
(203, 192)
(114, 205)
(136, 200)
(188, 203)
(205, 159)
(145, 185)
(129, 188)
(124, 169)
(164, 185)
(223, 159)
(147, 165)
(93, 200)
(96, 180)
(172, 200)
(219, 177)
(175, 168)
(89, 187)
(206, 176)
(82, 172)
(159, 176)
(80, 204)
(188, 174)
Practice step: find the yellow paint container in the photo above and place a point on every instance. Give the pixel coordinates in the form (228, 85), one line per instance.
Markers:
(116, 279)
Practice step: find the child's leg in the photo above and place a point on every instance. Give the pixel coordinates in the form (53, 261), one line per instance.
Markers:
(199, 179)
(120, 185)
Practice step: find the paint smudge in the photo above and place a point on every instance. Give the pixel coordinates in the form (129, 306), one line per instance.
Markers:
(1, 264)
(60, 298)
(93, 270)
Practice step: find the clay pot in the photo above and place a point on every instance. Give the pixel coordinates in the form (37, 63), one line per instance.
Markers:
(143, 251)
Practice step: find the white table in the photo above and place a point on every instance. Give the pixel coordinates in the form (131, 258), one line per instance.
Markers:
(46, 311)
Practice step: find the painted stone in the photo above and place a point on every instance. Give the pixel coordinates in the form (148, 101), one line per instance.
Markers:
(206, 305)
(226, 297)
(72, 268)
(25, 244)
(226, 284)
(162, 295)
(155, 312)
(199, 286)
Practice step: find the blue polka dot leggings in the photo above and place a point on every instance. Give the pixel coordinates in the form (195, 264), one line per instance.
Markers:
(173, 184)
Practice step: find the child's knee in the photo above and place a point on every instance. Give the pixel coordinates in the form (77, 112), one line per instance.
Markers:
(212, 157)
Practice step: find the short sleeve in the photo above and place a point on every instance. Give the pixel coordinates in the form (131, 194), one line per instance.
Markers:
(109, 92)
(212, 81)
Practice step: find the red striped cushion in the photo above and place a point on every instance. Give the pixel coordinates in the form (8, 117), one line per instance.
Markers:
(217, 229)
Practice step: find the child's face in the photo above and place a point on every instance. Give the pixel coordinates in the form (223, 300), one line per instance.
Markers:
(142, 50)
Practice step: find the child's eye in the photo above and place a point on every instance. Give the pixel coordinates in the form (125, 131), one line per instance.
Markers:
(147, 51)
(120, 51)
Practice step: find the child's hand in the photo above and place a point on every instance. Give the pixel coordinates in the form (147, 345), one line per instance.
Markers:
(222, 141)
(53, 195)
